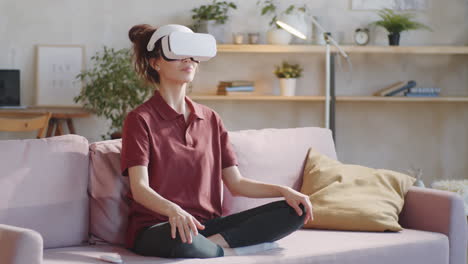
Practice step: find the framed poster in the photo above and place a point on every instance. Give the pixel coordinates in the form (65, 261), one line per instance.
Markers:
(56, 69)
(392, 4)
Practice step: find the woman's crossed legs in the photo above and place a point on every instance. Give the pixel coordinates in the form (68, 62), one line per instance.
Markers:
(265, 223)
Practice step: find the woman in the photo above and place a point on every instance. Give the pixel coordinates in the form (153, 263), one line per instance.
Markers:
(177, 153)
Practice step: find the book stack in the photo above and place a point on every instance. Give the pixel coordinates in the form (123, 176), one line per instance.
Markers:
(407, 89)
(237, 87)
(429, 92)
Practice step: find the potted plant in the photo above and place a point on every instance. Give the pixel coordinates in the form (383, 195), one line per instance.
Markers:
(397, 23)
(288, 73)
(211, 18)
(112, 88)
(277, 35)
(416, 173)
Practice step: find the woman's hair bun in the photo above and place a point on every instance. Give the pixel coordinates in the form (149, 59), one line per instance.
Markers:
(140, 31)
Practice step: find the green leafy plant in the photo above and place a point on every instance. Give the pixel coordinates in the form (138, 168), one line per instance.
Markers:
(287, 70)
(215, 11)
(112, 87)
(269, 7)
(396, 23)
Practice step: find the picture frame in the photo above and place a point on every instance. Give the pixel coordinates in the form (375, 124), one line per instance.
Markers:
(56, 69)
(391, 4)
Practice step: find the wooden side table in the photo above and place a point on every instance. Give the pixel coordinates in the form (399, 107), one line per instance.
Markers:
(59, 116)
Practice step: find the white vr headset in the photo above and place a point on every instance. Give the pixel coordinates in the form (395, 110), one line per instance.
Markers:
(180, 42)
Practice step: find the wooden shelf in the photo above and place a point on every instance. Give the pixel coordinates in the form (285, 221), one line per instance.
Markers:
(267, 48)
(256, 97)
(440, 99)
(322, 98)
(57, 111)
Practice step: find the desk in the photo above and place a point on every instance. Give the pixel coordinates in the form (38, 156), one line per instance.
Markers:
(59, 115)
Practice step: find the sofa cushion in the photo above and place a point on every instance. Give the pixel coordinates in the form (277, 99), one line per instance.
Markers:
(43, 187)
(107, 188)
(301, 246)
(274, 155)
(353, 197)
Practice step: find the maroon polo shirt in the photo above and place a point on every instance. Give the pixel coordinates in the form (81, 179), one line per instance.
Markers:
(184, 159)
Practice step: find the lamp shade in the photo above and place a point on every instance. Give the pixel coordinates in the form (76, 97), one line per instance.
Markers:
(293, 24)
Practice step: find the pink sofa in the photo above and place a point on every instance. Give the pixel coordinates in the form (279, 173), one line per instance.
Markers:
(62, 200)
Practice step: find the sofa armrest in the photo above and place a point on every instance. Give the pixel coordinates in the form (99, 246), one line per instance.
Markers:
(437, 211)
(20, 245)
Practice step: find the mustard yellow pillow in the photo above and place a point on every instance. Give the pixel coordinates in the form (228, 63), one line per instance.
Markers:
(353, 197)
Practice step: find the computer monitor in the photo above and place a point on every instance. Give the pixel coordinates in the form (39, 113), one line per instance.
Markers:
(9, 87)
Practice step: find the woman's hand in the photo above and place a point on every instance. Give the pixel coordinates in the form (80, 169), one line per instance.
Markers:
(294, 198)
(184, 222)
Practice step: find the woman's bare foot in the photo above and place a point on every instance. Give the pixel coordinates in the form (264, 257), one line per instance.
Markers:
(219, 239)
(229, 252)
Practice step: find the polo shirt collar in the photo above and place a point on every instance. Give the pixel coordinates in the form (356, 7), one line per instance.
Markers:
(168, 113)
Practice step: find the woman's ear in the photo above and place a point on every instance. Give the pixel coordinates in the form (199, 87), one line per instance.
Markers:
(154, 64)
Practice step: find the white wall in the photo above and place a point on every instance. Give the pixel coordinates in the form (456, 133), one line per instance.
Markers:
(386, 135)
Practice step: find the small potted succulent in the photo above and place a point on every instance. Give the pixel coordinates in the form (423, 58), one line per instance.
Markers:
(288, 74)
(212, 18)
(112, 88)
(277, 35)
(396, 23)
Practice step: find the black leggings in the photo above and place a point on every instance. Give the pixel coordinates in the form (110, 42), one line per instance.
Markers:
(265, 223)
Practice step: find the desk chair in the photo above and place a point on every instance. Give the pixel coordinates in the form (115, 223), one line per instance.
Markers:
(25, 122)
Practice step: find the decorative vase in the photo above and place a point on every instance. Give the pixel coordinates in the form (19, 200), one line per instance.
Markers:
(419, 183)
(213, 28)
(417, 173)
(288, 86)
(394, 39)
(278, 36)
